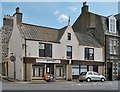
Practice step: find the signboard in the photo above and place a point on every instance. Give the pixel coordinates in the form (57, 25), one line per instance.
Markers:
(47, 61)
(12, 58)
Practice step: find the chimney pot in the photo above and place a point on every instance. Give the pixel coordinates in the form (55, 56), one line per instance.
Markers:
(84, 3)
(17, 10)
(85, 7)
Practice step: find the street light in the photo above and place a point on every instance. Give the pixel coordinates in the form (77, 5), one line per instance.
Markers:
(13, 58)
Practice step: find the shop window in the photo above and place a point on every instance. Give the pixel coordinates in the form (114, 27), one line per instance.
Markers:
(89, 53)
(45, 50)
(69, 52)
(83, 68)
(69, 36)
(75, 70)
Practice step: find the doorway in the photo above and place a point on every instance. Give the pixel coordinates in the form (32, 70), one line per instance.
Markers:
(109, 71)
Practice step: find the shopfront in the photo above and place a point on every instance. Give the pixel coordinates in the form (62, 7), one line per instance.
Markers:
(84, 66)
(41, 67)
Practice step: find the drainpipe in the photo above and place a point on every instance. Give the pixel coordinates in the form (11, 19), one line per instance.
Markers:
(25, 62)
(105, 58)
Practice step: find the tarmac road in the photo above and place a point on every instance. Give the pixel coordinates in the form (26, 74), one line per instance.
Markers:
(67, 85)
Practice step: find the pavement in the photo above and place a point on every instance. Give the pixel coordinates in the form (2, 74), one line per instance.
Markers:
(33, 81)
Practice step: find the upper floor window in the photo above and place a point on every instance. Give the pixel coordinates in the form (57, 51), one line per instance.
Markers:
(69, 52)
(113, 46)
(45, 50)
(89, 53)
(69, 36)
(112, 24)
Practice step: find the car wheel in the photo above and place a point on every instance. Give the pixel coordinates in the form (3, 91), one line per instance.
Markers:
(88, 79)
(102, 79)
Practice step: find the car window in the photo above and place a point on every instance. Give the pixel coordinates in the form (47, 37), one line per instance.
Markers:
(95, 73)
(90, 73)
(83, 73)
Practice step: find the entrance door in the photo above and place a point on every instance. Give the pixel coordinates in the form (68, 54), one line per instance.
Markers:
(59, 72)
(109, 71)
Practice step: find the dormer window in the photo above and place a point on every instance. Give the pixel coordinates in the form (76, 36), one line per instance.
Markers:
(112, 24)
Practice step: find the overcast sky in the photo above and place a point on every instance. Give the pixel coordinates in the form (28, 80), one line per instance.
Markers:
(55, 14)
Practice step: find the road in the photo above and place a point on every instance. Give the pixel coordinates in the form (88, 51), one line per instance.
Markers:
(73, 85)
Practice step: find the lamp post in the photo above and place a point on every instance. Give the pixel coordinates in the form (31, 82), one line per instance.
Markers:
(13, 58)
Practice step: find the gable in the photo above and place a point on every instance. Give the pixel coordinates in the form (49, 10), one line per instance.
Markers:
(64, 38)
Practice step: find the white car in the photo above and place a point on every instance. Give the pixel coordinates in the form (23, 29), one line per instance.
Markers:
(91, 76)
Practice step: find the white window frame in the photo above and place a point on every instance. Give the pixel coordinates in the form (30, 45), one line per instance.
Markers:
(113, 46)
(112, 24)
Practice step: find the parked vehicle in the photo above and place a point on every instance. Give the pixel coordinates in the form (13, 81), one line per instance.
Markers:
(50, 78)
(91, 76)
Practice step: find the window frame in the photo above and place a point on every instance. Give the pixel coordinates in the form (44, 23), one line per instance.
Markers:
(88, 54)
(69, 36)
(112, 24)
(69, 52)
(113, 46)
(45, 54)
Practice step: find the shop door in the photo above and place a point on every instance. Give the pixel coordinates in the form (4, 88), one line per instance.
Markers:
(59, 72)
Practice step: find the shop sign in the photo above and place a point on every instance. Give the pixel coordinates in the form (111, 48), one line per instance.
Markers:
(47, 61)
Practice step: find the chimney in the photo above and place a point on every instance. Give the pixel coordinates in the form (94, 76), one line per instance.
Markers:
(17, 10)
(18, 16)
(85, 7)
(8, 20)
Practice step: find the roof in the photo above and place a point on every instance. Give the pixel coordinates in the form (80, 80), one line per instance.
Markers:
(87, 40)
(61, 32)
(41, 33)
(117, 16)
(34, 32)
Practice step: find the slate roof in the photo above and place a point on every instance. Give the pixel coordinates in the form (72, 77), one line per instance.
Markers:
(41, 33)
(117, 16)
(34, 32)
(86, 40)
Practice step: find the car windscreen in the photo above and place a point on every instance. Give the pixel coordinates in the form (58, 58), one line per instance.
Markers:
(83, 73)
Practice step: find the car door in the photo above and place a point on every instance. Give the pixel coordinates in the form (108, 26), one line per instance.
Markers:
(96, 76)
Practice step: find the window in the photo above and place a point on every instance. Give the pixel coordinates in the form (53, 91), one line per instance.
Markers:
(69, 52)
(45, 50)
(96, 73)
(112, 24)
(69, 36)
(83, 73)
(95, 68)
(89, 54)
(113, 46)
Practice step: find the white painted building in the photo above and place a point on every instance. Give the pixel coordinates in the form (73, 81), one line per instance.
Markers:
(41, 50)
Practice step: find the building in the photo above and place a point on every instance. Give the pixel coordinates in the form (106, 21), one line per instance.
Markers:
(106, 31)
(35, 51)
(6, 32)
(0, 52)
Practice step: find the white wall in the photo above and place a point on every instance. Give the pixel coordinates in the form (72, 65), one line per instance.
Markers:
(15, 47)
(59, 49)
(73, 42)
(32, 48)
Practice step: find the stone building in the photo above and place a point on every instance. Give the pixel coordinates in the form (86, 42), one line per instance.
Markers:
(6, 32)
(106, 31)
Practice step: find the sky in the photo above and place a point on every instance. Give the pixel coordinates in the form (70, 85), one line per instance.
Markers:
(55, 14)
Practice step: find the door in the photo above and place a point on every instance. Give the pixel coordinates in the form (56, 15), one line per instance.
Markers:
(59, 72)
(109, 71)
